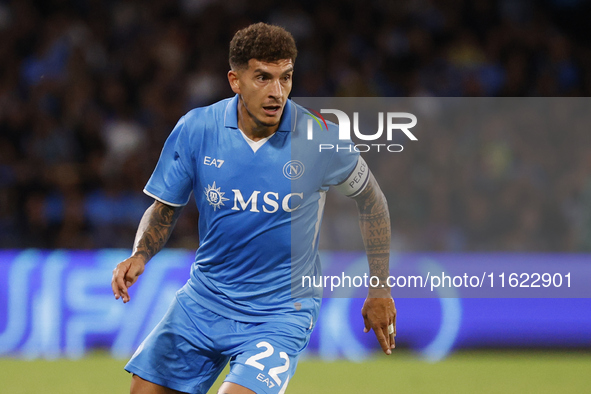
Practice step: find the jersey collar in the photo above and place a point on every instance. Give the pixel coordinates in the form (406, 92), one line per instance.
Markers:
(231, 115)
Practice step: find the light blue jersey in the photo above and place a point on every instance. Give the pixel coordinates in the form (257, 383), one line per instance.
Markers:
(260, 208)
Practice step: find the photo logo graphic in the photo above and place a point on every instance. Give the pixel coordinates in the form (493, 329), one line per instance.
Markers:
(344, 126)
(310, 110)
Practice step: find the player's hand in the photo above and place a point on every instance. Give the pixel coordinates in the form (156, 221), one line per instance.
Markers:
(378, 314)
(125, 275)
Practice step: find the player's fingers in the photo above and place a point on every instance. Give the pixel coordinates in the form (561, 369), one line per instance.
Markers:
(133, 273)
(381, 335)
(131, 277)
(366, 323)
(388, 337)
(115, 285)
(392, 341)
(120, 284)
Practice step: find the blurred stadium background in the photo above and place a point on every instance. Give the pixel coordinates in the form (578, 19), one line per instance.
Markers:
(89, 91)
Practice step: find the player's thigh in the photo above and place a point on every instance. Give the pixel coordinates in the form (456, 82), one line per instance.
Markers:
(177, 354)
(267, 360)
(141, 386)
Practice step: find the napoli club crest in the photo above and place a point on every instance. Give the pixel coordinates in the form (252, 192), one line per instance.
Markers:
(293, 169)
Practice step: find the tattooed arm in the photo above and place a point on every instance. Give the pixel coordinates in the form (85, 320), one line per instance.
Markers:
(374, 219)
(153, 232)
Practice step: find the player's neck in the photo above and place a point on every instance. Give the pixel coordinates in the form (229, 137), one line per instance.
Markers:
(251, 128)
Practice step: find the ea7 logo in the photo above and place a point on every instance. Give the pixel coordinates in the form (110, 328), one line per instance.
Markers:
(345, 125)
(266, 380)
(208, 161)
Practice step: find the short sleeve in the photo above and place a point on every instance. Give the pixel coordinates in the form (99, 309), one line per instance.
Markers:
(347, 171)
(172, 179)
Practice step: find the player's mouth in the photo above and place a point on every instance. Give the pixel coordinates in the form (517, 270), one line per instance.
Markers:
(272, 110)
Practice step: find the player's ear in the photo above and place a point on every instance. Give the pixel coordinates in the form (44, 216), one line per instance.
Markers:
(234, 82)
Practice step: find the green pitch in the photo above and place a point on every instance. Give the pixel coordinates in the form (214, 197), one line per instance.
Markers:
(465, 372)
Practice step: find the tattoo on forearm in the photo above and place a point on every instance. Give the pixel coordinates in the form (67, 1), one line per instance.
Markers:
(155, 229)
(374, 220)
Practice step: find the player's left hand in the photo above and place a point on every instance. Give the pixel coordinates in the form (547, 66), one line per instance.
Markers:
(378, 314)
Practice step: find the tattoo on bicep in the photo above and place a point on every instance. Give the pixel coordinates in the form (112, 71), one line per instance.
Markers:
(155, 228)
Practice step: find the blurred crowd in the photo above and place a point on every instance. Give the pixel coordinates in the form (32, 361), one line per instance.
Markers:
(486, 174)
(90, 89)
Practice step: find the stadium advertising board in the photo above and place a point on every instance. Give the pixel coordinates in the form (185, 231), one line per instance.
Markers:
(60, 304)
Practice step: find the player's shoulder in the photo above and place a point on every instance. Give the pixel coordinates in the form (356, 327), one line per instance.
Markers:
(209, 116)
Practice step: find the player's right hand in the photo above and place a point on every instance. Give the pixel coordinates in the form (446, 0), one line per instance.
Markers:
(125, 275)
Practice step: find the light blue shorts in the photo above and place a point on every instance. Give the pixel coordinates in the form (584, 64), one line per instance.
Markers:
(190, 347)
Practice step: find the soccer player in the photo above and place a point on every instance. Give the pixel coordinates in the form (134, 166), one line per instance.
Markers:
(259, 185)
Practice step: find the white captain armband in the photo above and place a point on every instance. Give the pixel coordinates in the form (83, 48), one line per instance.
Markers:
(356, 181)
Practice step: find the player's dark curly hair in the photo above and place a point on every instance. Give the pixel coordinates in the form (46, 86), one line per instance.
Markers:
(263, 42)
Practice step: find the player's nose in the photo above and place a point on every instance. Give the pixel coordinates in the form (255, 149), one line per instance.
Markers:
(276, 90)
